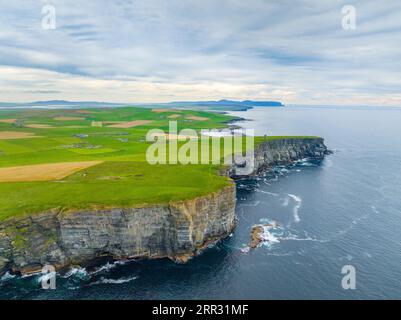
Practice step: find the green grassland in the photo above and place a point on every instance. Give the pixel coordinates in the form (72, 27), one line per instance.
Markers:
(123, 179)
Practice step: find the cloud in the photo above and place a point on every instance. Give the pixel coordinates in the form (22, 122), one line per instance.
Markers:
(134, 51)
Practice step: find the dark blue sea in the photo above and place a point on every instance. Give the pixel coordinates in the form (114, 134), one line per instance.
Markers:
(343, 211)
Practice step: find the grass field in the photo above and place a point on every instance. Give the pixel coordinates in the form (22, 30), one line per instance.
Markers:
(74, 159)
(37, 144)
(43, 172)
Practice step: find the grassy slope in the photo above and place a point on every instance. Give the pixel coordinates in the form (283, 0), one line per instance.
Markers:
(124, 179)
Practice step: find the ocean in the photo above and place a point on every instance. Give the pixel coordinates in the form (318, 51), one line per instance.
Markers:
(344, 211)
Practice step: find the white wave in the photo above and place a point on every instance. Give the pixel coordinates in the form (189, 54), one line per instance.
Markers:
(296, 198)
(298, 204)
(267, 192)
(106, 267)
(305, 163)
(245, 249)
(274, 233)
(267, 220)
(283, 170)
(292, 237)
(303, 160)
(82, 272)
(286, 201)
(7, 276)
(34, 274)
(254, 204)
(113, 281)
(46, 277)
(268, 237)
(276, 254)
(75, 271)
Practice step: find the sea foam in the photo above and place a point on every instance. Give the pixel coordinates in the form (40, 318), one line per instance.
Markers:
(298, 203)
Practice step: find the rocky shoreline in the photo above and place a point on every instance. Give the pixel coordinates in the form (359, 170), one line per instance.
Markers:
(281, 152)
(178, 230)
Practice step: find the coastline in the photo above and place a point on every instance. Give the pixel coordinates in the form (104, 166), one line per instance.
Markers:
(178, 231)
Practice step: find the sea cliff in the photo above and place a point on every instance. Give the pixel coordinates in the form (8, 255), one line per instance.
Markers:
(286, 151)
(280, 152)
(178, 230)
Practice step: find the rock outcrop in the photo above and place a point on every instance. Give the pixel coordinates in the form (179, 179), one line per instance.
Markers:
(285, 151)
(256, 236)
(177, 231)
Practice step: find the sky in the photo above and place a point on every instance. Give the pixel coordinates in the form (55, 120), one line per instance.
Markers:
(294, 51)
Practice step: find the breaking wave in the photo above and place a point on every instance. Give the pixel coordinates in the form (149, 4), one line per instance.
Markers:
(7, 276)
(275, 233)
(75, 271)
(298, 204)
(267, 192)
(113, 281)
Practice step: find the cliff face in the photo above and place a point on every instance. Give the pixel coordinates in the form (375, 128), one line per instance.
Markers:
(177, 231)
(284, 151)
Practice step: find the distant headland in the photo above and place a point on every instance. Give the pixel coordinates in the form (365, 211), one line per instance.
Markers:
(218, 105)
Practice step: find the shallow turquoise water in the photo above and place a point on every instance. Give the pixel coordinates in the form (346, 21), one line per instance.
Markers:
(343, 211)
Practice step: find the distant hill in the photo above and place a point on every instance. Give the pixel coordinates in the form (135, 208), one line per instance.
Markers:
(59, 103)
(263, 103)
(223, 105)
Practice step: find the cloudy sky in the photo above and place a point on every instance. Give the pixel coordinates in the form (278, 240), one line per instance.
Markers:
(295, 51)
